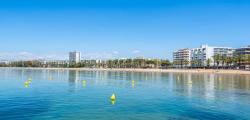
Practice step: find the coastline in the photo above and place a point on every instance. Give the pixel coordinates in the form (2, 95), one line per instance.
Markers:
(215, 71)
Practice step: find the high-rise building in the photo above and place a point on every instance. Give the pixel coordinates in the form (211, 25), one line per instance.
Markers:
(74, 57)
(182, 58)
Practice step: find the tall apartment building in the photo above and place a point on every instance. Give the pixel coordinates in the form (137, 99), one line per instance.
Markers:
(74, 57)
(182, 58)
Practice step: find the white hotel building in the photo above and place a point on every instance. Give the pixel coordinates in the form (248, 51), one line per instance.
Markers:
(74, 57)
(198, 57)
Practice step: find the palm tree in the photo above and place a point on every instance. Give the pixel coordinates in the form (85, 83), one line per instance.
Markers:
(175, 62)
(185, 62)
(240, 60)
(245, 60)
(223, 60)
(208, 62)
(248, 58)
(229, 61)
(165, 63)
(217, 59)
(194, 63)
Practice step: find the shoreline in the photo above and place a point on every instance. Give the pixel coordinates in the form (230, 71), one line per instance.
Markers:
(215, 71)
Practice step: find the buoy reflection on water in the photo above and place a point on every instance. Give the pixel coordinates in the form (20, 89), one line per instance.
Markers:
(26, 84)
(113, 102)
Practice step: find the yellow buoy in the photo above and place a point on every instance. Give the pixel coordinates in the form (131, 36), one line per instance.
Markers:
(26, 83)
(133, 81)
(84, 83)
(112, 97)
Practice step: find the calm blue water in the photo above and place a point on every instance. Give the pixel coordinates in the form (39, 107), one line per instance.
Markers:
(61, 95)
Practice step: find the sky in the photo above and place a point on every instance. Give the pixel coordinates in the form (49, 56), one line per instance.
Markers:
(103, 29)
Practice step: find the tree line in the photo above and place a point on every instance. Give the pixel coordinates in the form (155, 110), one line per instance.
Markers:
(237, 61)
(114, 63)
(125, 63)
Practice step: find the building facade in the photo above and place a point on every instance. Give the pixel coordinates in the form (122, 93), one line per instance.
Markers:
(74, 57)
(53, 63)
(202, 56)
(182, 58)
(243, 52)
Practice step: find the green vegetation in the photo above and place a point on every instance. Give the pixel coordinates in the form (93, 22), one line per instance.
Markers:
(114, 63)
(236, 61)
(228, 62)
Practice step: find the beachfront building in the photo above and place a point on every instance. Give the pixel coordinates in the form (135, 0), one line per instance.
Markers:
(4, 62)
(53, 63)
(94, 63)
(200, 55)
(204, 55)
(182, 58)
(243, 53)
(74, 57)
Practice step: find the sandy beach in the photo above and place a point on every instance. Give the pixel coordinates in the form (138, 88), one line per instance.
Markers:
(215, 71)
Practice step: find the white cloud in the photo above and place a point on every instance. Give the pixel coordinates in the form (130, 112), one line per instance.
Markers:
(24, 53)
(102, 55)
(115, 52)
(55, 56)
(136, 51)
(30, 56)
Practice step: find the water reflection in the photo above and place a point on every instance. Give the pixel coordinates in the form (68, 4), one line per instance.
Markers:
(112, 102)
(186, 83)
(178, 81)
(74, 79)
